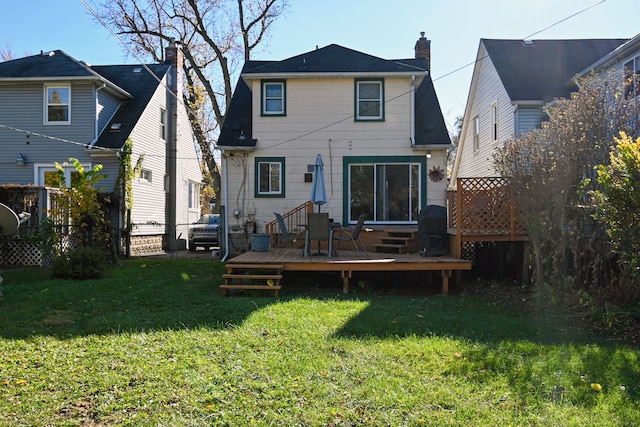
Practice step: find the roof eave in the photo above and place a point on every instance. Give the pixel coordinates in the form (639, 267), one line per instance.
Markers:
(318, 75)
(109, 84)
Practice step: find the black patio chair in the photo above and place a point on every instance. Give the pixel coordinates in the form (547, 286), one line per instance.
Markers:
(285, 235)
(351, 235)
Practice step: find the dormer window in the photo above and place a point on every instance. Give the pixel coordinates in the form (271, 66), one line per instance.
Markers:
(369, 100)
(57, 99)
(273, 98)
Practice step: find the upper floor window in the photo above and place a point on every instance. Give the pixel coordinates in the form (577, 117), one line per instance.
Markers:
(476, 133)
(194, 195)
(163, 123)
(270, 177)
(57, 104)
(273, 98)
(369, 100)
(632, 78)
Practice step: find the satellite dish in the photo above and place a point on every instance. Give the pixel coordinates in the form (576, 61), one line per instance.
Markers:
(9, 221)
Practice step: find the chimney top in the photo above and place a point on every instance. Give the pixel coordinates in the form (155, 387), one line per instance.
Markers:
(423, 49)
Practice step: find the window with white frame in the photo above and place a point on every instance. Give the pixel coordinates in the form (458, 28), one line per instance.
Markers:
(270, 177)
(369, 100)
(273, 98)
(494, 121)
(194, 195)
(632, 78)
(57, 99)
(476, 133)
(163, 123)
(145, 175)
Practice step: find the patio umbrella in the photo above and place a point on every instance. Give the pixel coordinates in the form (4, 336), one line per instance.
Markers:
(318, 191)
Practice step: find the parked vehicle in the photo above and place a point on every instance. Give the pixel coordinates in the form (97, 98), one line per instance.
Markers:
(205, 232)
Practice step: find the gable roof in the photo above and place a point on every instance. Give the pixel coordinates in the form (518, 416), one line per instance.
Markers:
(136, 80)
(54, 65)
(334, 59)
(544, 69)
(132, 84)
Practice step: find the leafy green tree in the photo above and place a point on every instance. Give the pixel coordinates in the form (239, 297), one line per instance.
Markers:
(618, 200)
(78, 206)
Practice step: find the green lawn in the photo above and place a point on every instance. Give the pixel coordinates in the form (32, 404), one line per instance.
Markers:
(156, 344)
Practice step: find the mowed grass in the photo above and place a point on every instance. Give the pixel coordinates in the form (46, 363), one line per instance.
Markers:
(155, 344)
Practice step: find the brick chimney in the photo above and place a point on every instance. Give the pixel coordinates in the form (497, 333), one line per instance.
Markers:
(423, 49)
(173, 54)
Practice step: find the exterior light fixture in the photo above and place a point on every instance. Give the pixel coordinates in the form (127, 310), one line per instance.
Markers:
(20, 160)
(428, 154)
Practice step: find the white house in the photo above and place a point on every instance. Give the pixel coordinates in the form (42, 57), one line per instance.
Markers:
(376, 122)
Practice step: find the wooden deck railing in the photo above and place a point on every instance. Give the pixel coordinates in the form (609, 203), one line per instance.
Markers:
(294, 219)
(481, 209)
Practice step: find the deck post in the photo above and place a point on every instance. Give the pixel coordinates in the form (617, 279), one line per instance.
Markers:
(445, 281)
(346, 275)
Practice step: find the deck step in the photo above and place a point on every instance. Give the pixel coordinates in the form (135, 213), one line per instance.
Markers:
(227, 288)
(390, 248)
(238, 274)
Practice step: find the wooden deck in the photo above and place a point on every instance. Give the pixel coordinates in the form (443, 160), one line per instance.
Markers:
(348, 262)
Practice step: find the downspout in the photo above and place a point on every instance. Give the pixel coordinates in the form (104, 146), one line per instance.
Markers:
(412, 113)
(224, 210)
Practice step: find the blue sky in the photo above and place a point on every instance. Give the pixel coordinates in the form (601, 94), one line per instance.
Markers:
(383, 28)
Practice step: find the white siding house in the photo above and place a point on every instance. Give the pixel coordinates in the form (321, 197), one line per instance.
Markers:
(511, 83)
(376, 161)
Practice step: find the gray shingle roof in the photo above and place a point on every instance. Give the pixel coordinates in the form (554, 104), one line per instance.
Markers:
(141, 85)
(334, 59)
(430, 126)
(543, 69)
(134, 88)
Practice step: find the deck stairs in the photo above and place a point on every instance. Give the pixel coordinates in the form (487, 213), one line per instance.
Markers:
(252, 276)
(398, 241)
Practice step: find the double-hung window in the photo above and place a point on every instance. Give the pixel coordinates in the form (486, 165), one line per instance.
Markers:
(57, 99)
(270, 177)
(274, 98)
(369, 100)
(476, 133)
(163, 123)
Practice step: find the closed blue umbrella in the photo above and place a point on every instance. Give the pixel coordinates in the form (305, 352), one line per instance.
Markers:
(318, 191)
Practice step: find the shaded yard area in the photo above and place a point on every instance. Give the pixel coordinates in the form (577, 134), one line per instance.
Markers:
(156, 343)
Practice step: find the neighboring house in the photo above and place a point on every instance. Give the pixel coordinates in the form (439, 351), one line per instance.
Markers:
(512, 82)
(377, 124)
(624, 60)
(54, 107)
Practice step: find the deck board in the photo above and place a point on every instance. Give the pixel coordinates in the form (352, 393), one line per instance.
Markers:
(348, 262)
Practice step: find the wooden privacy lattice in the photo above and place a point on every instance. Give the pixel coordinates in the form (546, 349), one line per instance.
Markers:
(483, 206)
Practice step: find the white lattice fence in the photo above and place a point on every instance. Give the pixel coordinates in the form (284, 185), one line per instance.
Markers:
(15, 252)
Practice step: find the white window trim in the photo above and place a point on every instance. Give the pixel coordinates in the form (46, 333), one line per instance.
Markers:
(40, 168)
(282, 98)
(193, 190)
(163, 124)
(476, 134)
(379, 99)
(46, 120)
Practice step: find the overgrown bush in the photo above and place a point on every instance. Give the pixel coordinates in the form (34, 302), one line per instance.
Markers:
(553, 175)
(80, 263)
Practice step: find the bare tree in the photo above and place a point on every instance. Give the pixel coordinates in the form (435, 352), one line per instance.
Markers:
(553, 176)
(216, 37)
(6, 54)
